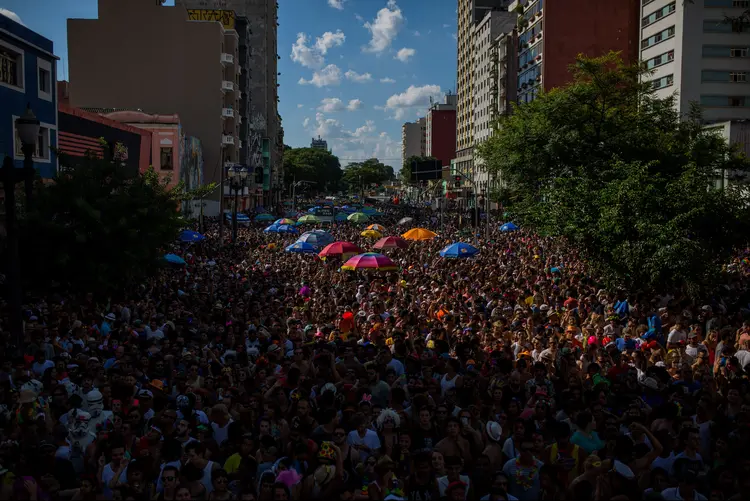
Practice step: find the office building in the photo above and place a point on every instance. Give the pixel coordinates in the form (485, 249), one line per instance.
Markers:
(440, 130)
(259, 70)
(413, 141)
(28, 69)
(319, 144)
(694, 50)
(163, 63)
(506, 72)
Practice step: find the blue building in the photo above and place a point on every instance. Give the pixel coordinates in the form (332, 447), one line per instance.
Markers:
(28, 76)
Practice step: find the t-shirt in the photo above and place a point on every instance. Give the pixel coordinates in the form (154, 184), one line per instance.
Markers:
(39, 369)
(523, 492)
(370, 440)
(588, 444)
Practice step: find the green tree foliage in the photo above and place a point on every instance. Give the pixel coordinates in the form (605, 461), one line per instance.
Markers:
(367, 172)
(98, 227)
(312, 164)
(613, 168)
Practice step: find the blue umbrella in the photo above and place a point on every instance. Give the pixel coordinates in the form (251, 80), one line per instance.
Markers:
(508, 227)
(286, 228)
(274, 228)
(313, 209)
(341, 216)
(318, 238)
(369, 210)
(459, 250)
(191, 236)
(264, 217)
(302, 248)
(174, 259)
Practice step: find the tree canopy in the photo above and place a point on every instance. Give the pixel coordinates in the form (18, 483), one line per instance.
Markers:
(615, 169)
(102, 226)
(371, 171)
(313, 164)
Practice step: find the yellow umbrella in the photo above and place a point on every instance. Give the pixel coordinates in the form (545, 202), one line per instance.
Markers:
(419, 234)
(377, 227)
(371, 234)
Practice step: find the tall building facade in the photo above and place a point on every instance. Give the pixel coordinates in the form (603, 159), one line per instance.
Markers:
(697, 51)
(506, 69)
(440, 130)
(28, 69)
(259, 69)
(319, 144)
(413, 141)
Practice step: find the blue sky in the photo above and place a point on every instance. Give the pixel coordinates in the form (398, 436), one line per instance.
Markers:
(352, 71)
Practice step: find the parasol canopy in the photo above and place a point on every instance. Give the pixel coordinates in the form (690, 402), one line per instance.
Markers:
(343, 249)
(377, 227)
(419, 234)
(358, 217)
(391, 243)
(371, 234)
(302, 248)
(284, 220)
(264, 217)
(190, 236)
(308, 219)
(459, 250)
(370, 261)
(404, 220)
(509, 227)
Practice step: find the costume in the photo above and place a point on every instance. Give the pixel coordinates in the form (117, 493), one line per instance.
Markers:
(95, 407)
(79, 437)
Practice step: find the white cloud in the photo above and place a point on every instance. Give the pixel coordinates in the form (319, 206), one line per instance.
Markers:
(446, 26)
(330, 75)
(337, 4)
(455, 37)
(359, 18)
(11, 15)
(300, 105)
(357, 77)
(384, 28)
(417, 33)
(354, 105)
(404, 54)
(306, 122)
(414, 96)
(328, 40)
(368, 127)
(331, 105)
(387, 80)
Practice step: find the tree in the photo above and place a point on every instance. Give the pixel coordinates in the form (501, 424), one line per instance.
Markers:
(366, 173)
(312, 164)
(104, 227)
(615, 170)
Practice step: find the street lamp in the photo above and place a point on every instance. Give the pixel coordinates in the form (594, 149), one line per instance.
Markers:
(27, 126)
(237, 179)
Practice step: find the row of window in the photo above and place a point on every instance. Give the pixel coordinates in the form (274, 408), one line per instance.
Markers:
(661, 59)
(728, 101)
(743, 4)
(724, 51)
(709, 26)
(658, 38)
(734, 25)
(12, 63)
(724, 76)
(661, 83)
(658, 14)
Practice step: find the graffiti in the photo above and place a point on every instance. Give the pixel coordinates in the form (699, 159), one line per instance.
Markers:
(255, 149)
(257, 122)
(225, 17)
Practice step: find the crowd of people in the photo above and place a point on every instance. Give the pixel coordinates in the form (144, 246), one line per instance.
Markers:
(256, 374)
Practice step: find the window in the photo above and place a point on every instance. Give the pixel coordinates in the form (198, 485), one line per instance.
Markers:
(737, 101)
(743, 4)
(739, 25)
(738, 52)
(655, 16)
(42, 149)
(11, 66)
(44, 81)
(716, 26)
(738, 77)
(661, 59)
(165, 158)
(657, 38)
(725, 101)
(662, 82)
(714, 76)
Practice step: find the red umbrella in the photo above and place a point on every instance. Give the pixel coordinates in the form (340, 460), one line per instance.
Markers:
(340, 249)
(391, 243)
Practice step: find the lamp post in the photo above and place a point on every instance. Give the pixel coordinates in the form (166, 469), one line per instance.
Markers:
(28, 132)
(237, 180)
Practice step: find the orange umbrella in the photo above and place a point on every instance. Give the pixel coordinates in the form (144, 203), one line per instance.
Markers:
(419, 234)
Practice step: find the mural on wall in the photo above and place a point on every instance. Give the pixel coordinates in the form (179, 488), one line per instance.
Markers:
(191, 169)
(225, 17)
(257, 126)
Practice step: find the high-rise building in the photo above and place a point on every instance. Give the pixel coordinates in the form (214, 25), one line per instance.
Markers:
(163, 63)
(696, 51)
(440, 130)
(413, 141)
(319, 144)
(259, 65)
(506, 72)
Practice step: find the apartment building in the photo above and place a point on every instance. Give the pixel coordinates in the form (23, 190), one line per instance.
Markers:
(413, 141)
(163, 63)
(506, 69)
(319, 144)
(700, 51)
(440, 130)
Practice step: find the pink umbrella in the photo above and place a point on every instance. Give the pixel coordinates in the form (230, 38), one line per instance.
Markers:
(370, 261)
(340, 249)
(391, 243)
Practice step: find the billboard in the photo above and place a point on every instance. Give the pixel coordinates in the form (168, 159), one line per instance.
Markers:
(426, 170)
(325, 214)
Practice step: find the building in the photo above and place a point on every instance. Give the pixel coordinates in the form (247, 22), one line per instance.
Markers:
(319, 144)
(413, 142)
(506, 68)
(28, 69)
(259, 65)
(695, 51)
(165, 64)
(82, 132)
(440, 130)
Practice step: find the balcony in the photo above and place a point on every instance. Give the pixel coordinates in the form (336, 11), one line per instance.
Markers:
(227, 113)
(227, 140)
(226, 85)
(227, 58)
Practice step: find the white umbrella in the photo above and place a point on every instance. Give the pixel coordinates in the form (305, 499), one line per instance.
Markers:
(405, 220)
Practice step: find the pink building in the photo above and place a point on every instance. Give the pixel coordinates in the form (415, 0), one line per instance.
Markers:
(167, 139)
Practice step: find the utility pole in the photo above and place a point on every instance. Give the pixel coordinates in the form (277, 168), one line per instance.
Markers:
(221, 206)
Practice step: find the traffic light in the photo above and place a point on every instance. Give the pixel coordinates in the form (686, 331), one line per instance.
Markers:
(457, 178)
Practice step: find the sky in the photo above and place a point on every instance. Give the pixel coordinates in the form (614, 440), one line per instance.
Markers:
(352, 71)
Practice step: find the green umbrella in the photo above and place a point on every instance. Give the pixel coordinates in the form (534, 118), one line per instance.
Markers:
(358, 217)
(308, 218)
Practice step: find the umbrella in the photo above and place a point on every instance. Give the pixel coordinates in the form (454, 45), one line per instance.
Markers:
(419, 234)
(358, 217)
(191, 236)
(284, 220)
(174, 259)
(369, 210)
(370, 261)
(291, 213)
(274, 228)
(309, 218)
(343, 249)
(264, 217)
(405, 220)
(286, 228)
(377, 227)
(302, 248)
(391, 243)
(340, 216)
(371, 234)
(459, 250)
(313, 209)
(508, 227)
(318, 238)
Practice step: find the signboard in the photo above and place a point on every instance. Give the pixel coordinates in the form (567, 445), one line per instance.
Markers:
(325, 214)
(225, 17)
(426, 170)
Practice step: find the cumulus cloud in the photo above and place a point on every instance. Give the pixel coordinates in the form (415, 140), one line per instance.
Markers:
(384, 28)
(330, 75)
(455, 37)
(11, 15)
(414, 96)
(300, 105)
(446, 26)
(358, 77)
(331, 105)
(387, 80)
(404, 54)
(354, 105)
(306, 122)
(337, 4)
(313, 56)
